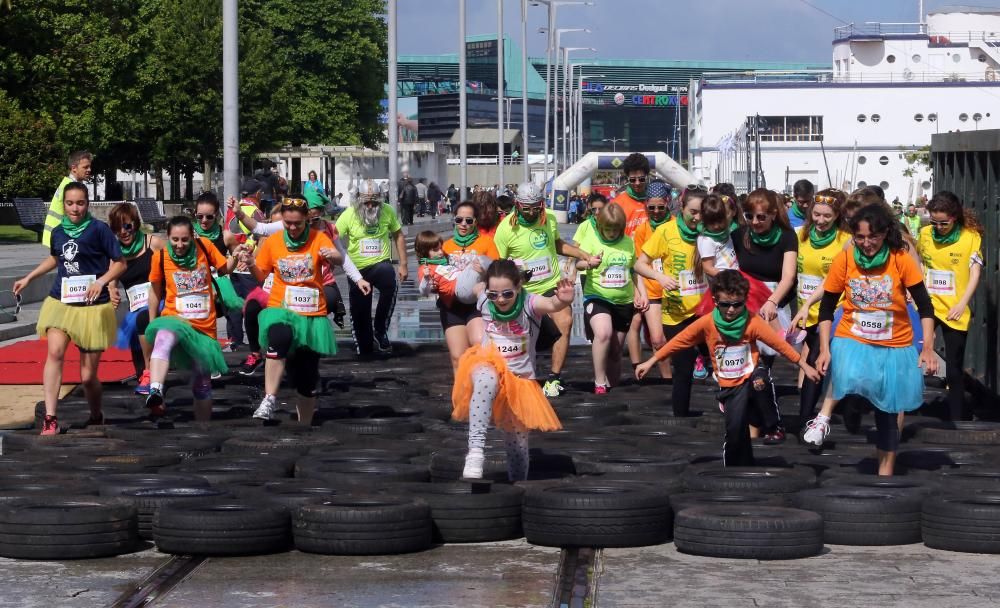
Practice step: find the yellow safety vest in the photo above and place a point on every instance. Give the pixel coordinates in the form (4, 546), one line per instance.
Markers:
(54, 217)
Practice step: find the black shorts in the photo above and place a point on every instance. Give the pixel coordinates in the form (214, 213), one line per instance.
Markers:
(621, 315)
(458, 314)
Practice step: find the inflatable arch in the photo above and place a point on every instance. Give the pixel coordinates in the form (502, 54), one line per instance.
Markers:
(659, 163)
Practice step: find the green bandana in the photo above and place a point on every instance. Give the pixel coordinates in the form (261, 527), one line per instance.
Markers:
(870, 263)
(656, 224)
(731, 330)
(600, 235)
(295, 244)
(770, 239)
(720, 236)
(465, 241)
(212, 235)
(135, 247)
(510, 315)
(733, 227)
(797, 211)
(689, 235)
(188, 260)
(441, 261)
(74, 231)
(638, 197)
(949, 239)
(819, 239)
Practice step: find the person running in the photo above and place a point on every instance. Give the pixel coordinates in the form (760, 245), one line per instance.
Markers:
(294, 329)
(821, 238)
(369, 228)
(716, 251)
(731, 334)
(673, 244)
(802, 197)
(496, 379)
(256, 302)
(912, 221)
(531, 238)
(183, 334)
(86, 257)
(137, 250)
(632, 200)
(872, 354)
(658, 213)
(208, 225)
(951, 249)
(611, 296)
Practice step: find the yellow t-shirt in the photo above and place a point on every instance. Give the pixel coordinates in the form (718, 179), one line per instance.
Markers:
(677, 257)
(812, 266)
(946, 271)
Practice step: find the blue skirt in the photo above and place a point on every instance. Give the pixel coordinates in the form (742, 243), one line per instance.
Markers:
(128, 335)
(887, 377)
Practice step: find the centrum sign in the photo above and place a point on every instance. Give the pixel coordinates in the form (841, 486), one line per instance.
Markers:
(659, 100)
(597, 87)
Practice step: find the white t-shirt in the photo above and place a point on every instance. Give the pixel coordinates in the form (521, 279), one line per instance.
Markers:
(724, 253)
(514, 339)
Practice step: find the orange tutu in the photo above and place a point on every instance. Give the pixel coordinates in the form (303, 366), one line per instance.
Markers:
(520, 403)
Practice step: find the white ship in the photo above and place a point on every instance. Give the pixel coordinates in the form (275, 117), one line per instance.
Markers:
(866, 121)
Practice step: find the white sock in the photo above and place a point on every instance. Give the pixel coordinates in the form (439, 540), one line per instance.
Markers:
(822, 418)
(156, 386)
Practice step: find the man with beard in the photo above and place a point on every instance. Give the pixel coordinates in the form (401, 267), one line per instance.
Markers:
(368, 228)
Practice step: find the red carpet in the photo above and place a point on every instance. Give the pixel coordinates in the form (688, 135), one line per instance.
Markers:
(22, 363)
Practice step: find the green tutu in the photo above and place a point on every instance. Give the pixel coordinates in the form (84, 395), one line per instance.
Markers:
(228, 293)
(191, 346)
(313, 333)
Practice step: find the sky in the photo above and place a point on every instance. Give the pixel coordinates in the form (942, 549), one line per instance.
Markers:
(753, 30)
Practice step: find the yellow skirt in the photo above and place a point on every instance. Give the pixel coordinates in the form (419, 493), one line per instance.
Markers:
(91, 328)
(520, 403)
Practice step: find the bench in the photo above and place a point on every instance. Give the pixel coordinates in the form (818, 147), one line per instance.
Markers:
(149, 212)
(31, 214)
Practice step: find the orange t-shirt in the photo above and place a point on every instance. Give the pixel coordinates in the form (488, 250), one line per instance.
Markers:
(874, 303)
(444, 278)
(734, 361)
(461, 257)
(298, 275)
(635, 212)
(189, 292)
(641, 235)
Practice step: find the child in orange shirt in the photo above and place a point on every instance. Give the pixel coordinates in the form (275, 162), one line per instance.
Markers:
(731, 334)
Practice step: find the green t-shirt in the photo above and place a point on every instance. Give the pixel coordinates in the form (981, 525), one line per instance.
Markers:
(612, 280)
(532, 249)
(368, 246)
(581, 232)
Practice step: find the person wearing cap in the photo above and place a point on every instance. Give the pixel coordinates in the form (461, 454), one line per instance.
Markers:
(633, 199)
(368, 229)
(531, 238)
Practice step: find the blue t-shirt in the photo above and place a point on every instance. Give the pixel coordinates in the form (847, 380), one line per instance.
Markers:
(89, 254)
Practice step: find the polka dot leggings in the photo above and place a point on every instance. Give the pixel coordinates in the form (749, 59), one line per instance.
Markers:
(484, 391)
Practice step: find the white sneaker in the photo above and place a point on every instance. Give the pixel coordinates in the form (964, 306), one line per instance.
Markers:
(474, 464)
(266, 409)
(816, 430)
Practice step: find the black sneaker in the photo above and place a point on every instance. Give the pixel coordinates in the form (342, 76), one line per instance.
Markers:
(154, 401)
(383, 343)
(338, 318)
(252, 363)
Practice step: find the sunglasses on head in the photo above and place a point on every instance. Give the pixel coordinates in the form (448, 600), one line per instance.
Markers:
(696, 188)
(468, 221)
(637, 180)
(203, 216)
(825, 200)
(506, 294)
(730, 305)
(760, 217)
(293, 203)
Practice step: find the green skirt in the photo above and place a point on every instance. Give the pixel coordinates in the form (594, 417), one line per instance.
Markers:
(313, 333)
(228, 293)
(191, 346)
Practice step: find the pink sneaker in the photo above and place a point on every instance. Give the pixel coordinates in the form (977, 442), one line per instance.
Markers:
(600, 389)
(50, 426)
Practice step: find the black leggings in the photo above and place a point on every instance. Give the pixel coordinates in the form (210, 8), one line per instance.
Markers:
(141, 323)
(954, 358)
(301, 367)
(683, 366)
(811, 391)
(381, 276)
(886, 431)
(250, 313)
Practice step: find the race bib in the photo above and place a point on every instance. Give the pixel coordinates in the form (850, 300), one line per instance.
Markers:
(138, 296)
(370, 248)
(302, 299)
(194, 306)
(658, 265)
(511, 347)
(614, 277)
(735, 362)
(446, 271)
(875, 325)
(689, 284)
(808, 284)
(940, 282)
(74, 289)
(540, 268)
(268, 283)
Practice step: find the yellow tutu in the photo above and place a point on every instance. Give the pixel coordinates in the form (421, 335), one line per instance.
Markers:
(91, 328)
(520, 403)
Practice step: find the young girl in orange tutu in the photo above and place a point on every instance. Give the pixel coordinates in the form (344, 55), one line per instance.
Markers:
(496, 380)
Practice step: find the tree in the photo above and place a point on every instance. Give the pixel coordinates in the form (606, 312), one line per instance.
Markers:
(32, 163)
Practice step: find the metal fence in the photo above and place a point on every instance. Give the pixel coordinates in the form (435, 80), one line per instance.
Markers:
(968, 164)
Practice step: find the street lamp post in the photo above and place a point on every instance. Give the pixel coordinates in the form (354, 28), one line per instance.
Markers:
(614, 143)
(393, 126)
(567, 87)
(669, 143)
(555, 88)
(524, 90)
(462, 106)
(501, 81)
(230, 99)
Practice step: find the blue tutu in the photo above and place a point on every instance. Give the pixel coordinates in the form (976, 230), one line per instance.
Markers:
(128, 335)
(887, 377)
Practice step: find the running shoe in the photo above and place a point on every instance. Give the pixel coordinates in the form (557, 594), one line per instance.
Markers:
(233, 347)
(50, 426)
(553, 387)
(383, 343)
(266, 409)
(474, 464)
(700, 373)
(338, 318)
(775, 437)
(95, 421)
(216, 375)
(154, 401)
(251, 364)
(601, 389)
(143, 387)
(816, 430)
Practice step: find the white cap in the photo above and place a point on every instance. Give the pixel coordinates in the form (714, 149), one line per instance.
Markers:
(529, 194)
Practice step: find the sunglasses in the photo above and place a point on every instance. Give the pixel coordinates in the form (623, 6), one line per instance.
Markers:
(468, 221)
(128, 227)
(760, 217)
(293, 203)
(825, 200)
(696, 188)
(315, 220)
(942, 223)
(637, 180)
(506, 294)
(372, 203)
(656, 207)
(729, 305)
(199, 216)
